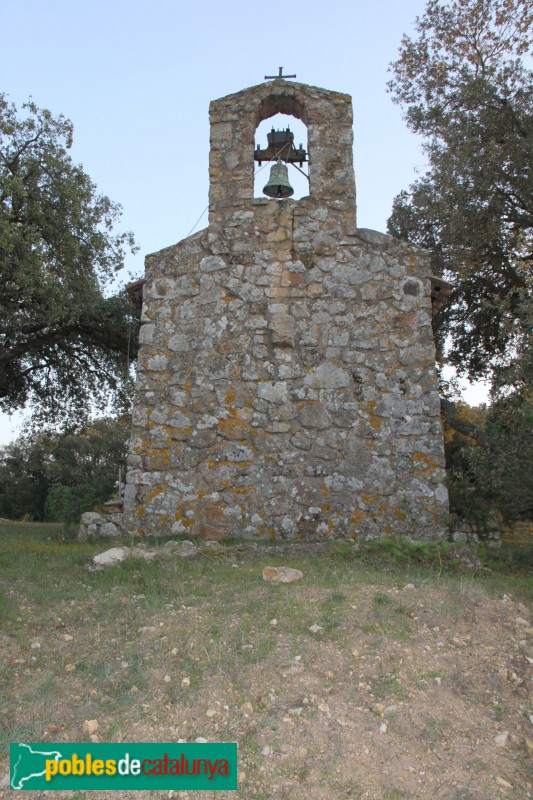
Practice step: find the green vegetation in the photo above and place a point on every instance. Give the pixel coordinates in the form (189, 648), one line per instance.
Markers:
(52, 476)
(116, 645)
(464, 86)
(493, 478)
(51, 569)
(65, 344)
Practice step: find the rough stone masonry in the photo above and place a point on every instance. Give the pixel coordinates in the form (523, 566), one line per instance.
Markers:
(286, 377)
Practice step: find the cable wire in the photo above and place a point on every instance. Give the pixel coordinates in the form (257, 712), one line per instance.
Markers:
(197, 221)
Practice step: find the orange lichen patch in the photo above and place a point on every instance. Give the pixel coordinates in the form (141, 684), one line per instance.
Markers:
(233, 428)
(153, 494)
(373, 420)
(228, 298)
(157, 458)
(368, 499)
(387, 529)
(243, 489)
(187, 523)
(357, 516)
(181, 431)
(271, 533)
(187, 385)
(400, 514)
(341, 97)
(139, 511)
(326, 506)
(179, 517)
(231, 395)
(212, 464)
(425, 459)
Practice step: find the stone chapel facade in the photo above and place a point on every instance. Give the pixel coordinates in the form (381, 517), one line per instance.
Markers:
(286, 375)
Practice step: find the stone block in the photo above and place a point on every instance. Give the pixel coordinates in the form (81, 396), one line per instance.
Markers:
(213, 522)
(327, 376)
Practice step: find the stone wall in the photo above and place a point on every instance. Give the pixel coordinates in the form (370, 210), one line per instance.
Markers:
(94, 524)
(286, 380)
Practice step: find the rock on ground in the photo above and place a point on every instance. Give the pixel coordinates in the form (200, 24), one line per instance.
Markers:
(113, 556)
(282, 574)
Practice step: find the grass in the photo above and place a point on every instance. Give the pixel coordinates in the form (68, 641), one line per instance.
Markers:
(435, 729)
(41, 571)
(108, 639)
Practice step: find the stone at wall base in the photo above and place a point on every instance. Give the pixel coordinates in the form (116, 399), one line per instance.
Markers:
(472, 535)
(94, 524)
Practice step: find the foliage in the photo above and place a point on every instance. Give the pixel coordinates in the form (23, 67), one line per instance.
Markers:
(59, 476)
(496, 476)
(464, 87)
(505, 470)
(23, 481)
(64, 344)
(468, 499)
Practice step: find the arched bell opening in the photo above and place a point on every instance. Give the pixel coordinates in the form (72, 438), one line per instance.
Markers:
(281, 156)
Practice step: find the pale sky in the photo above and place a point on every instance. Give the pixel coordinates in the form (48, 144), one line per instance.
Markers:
(136, 79)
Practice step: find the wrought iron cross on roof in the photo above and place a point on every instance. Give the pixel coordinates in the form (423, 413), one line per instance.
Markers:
(277, 77)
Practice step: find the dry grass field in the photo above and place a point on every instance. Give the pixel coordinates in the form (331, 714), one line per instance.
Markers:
(387, 672)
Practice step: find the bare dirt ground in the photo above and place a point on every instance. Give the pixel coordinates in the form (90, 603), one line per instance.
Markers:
(354, 682)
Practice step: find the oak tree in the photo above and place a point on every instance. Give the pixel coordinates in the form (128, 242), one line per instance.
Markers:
(65, 338)
(464, 83)
(464, 86)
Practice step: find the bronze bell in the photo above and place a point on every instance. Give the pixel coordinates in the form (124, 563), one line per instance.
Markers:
(278, 185)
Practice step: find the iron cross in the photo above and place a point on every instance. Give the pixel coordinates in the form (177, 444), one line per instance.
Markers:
(277, 77)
